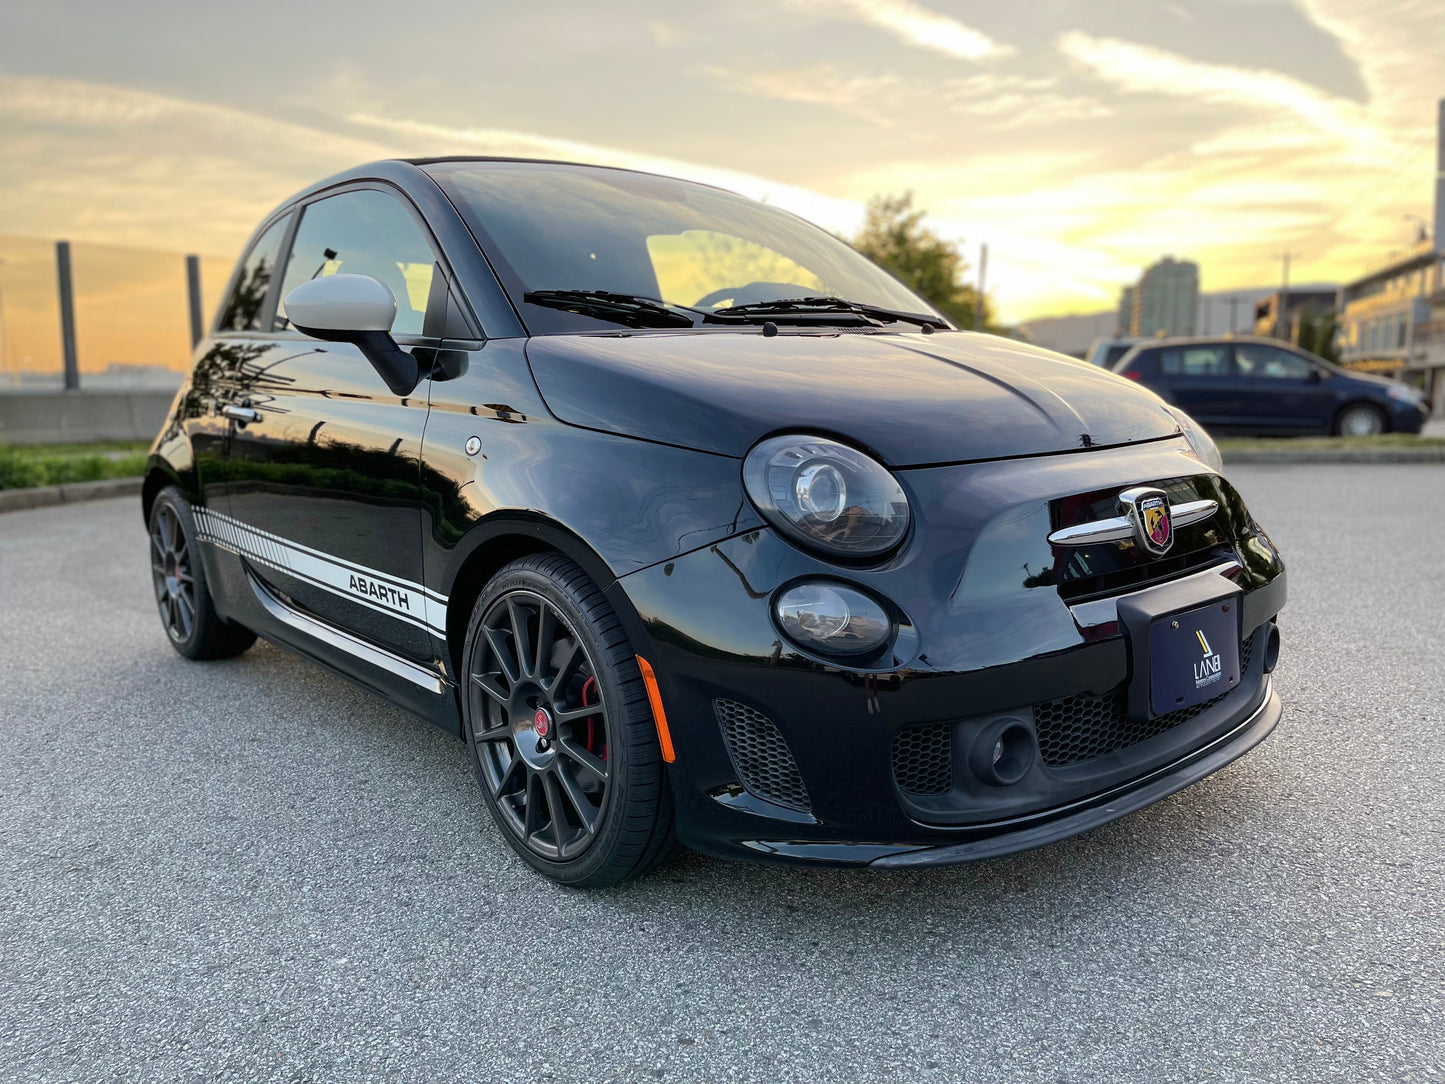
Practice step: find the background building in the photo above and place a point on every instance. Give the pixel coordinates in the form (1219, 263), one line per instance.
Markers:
(1166, 299)
(1280, 314)
(1392, 320)
(1124, 325)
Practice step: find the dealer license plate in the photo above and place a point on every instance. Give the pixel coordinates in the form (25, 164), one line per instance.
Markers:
(1194, 656)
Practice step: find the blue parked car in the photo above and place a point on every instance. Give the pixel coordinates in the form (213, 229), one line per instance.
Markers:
(1252, 385)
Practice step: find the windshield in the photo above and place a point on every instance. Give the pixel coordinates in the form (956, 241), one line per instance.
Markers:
(549, 227)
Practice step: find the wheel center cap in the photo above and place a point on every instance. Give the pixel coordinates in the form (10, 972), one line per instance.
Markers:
(542, 723)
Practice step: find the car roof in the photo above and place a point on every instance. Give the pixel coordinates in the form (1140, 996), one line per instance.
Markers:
(1207, 340)
(1220, 340)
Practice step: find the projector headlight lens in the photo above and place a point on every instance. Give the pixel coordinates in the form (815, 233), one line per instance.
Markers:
(832, 619)
(826, 495)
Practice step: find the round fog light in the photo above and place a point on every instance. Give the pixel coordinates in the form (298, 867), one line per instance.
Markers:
(833, 619)
(1003, 752)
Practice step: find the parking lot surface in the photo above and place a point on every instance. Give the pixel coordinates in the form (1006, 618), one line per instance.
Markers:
(251, 870)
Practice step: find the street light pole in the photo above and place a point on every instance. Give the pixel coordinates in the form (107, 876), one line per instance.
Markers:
(67, 315)
(1279, 311)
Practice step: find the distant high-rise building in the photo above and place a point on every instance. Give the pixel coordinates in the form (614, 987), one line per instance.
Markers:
(1166, 299)
(1125, 325)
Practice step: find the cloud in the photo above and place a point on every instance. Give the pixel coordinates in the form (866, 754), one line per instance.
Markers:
(422, 138)
(117, 166)
(995, 100)
(915, 24)
(1144, 69)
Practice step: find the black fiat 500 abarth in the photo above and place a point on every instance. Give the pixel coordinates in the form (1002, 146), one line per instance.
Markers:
(698, 527)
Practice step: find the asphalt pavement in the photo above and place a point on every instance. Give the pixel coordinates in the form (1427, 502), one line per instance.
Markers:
(252, 870)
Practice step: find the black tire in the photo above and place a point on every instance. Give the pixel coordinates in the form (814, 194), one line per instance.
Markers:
(183, 597)
(1361, 420)
(582, 797)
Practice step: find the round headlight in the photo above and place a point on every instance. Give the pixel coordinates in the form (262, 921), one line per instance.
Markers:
(832, 619)
(826, 495)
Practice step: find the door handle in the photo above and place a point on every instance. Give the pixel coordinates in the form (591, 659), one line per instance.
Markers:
(242, 414)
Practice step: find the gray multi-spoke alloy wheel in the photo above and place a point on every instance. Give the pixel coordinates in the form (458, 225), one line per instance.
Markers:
(187, 611)
(559, 727)
(1360, 420)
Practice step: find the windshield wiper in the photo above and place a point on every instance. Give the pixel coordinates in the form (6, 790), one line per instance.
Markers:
(814, 307)
(628, 309)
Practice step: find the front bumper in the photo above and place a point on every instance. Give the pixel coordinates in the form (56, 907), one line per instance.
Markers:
(1407, 417)
(1009, 837)
(780, 757)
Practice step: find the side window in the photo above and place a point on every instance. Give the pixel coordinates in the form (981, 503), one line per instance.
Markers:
(1115, 352)
(1271, 362)
(242, 310)
(1202, 360)
(1143, 363)
(364, 233)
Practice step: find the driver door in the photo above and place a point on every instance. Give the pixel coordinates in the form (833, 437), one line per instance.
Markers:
(324, 465)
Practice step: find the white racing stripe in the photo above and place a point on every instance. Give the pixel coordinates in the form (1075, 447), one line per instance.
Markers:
(390, 595)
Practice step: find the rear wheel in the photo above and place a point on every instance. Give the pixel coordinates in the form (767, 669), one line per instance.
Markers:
(559, 727)
(1360, 420)
(187, 611)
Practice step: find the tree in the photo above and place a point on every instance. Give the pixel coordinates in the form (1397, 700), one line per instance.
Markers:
(895, 238)
(1317, 333)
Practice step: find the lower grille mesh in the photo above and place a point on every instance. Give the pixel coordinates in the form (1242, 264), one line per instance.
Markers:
(1079, 728)
(764, 763)
(923, 759)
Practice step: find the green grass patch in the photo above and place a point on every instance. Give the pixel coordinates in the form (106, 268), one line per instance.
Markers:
(26, 465)
(1316, 444)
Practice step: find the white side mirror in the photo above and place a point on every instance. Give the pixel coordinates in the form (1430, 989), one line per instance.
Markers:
(355, 309)
(341, 303)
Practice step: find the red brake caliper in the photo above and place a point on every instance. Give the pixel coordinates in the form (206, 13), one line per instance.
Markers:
(590, 686)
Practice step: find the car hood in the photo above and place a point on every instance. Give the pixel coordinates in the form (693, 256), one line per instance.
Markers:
(910, 399)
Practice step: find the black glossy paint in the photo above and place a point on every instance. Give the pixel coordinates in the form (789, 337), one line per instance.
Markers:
(622, 449)
(910, 398)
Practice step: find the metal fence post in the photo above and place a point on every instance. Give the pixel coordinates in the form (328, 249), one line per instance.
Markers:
(67, 315)
(193, 293)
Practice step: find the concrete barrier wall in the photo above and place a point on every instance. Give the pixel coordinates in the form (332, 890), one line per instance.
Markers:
(56, 417)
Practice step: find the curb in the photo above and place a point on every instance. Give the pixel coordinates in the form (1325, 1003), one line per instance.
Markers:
(15, 500)
(1342, 455)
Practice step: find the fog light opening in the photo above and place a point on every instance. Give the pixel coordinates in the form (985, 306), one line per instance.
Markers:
(1271, 650)
(1003, 752)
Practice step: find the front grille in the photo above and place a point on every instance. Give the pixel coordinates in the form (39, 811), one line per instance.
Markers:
(764, 763)
(923, 759)
(1082, 573)
(1079, 728)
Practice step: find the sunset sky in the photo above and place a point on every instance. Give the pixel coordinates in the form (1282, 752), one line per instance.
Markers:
(1080, 141)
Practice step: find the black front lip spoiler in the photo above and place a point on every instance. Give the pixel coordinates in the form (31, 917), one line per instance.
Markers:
(1099, 810)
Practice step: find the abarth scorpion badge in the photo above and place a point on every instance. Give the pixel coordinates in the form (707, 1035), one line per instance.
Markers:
(1148, 509)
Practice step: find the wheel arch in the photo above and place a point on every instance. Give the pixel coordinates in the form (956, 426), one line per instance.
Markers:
(496, 542)
(1359, 401)
(159, 474)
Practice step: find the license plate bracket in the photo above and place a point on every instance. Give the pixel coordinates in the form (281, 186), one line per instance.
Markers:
(1193, 657)
(1183, 644)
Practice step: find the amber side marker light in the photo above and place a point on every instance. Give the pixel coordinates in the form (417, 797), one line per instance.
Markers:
(664, 736)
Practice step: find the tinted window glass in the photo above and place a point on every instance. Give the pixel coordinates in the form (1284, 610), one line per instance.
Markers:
(1115, 353)
(1204, 360)
(556, 227)
(364, 233)
(1142, 362)
(242, 311)
(1270, 361)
